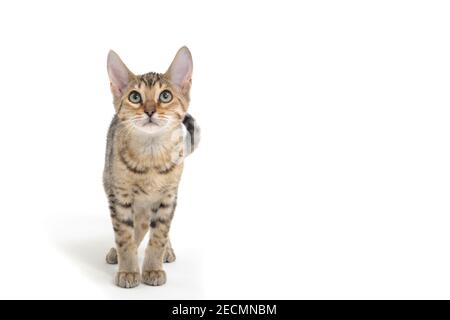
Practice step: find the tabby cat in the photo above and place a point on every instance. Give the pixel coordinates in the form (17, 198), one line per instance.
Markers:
(150, 135)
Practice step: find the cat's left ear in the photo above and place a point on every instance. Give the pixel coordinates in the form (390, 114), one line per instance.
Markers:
(180, 71)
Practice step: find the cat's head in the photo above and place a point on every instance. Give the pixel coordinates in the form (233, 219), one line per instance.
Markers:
(153, 102)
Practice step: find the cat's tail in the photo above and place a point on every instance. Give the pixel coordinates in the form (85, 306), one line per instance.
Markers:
(192, 134)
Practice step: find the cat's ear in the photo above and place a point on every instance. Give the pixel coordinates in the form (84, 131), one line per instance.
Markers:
(180, 71)
(118, 73)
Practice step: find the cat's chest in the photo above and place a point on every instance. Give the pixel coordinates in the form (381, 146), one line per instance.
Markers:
(155, 185)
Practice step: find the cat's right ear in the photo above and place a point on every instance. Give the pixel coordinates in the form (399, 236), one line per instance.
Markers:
(118, 73)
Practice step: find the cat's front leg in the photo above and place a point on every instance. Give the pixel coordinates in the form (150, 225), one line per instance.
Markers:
(155, 253)
(128, 275)
(141, 226)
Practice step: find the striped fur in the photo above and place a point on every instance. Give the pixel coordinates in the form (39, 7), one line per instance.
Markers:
(146, 145)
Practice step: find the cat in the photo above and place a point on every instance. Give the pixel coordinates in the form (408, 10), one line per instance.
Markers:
(149, 136)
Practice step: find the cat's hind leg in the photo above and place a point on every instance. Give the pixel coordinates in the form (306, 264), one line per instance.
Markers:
(169, 254)
(111, 256)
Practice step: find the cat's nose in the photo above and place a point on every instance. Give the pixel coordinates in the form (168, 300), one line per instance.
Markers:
(149, 107)
(149, 113)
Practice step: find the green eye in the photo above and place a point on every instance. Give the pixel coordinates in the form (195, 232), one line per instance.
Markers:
(135, 97)
(165, 96)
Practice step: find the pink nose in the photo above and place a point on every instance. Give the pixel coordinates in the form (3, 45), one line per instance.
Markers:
(149, 106)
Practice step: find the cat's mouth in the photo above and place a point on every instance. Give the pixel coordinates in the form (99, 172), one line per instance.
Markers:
(153, 122)
(149, 124)
(150, 115)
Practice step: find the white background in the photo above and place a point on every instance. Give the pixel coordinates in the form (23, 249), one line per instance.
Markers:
(323, 170)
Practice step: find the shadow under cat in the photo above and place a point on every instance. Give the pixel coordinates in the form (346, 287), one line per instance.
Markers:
(86, 246)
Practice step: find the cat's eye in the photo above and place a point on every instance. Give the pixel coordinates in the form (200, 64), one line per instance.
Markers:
(135, 97)
(165, 96)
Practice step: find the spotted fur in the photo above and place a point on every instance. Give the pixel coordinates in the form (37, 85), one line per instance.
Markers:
(146, 145)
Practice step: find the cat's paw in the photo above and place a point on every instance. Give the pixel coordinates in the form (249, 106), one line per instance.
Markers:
(111, 256)
(169, 255)
(154, 277)
(128, 279)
